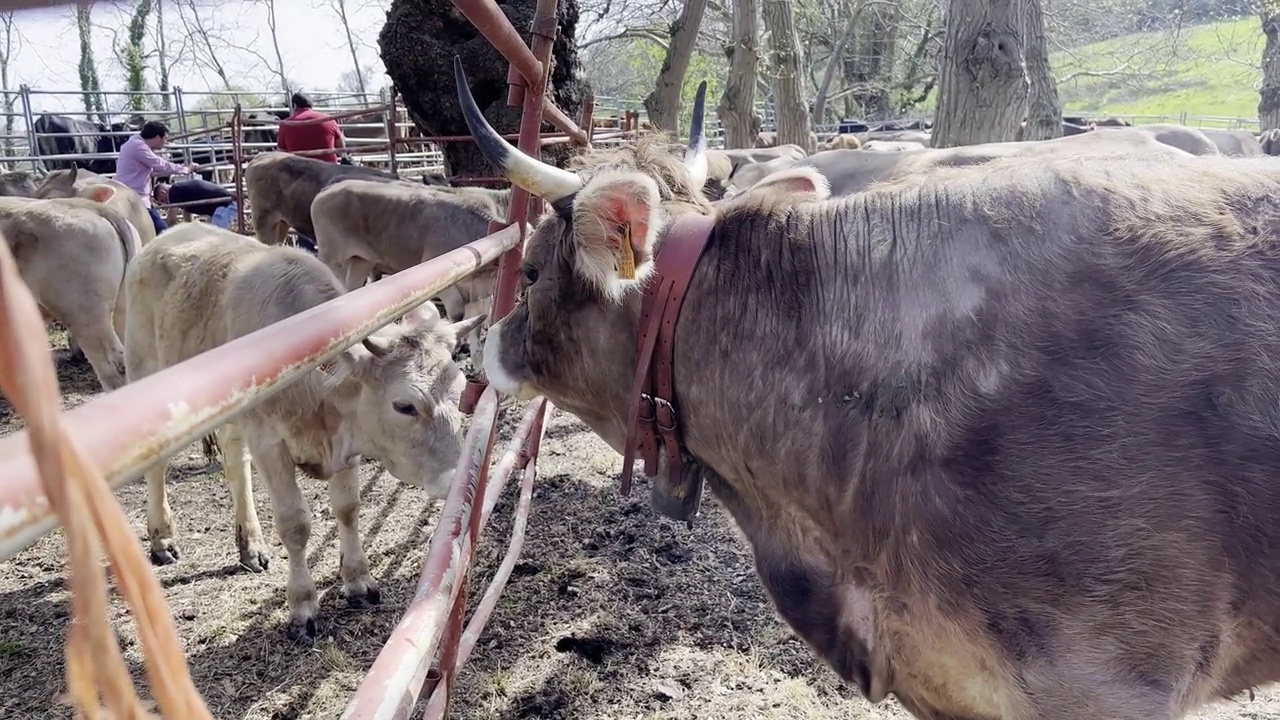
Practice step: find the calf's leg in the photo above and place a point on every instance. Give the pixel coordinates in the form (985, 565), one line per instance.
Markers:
(358, 270)
(454, 304)
(358, 586)
(254, 553)
(160, 516)
(293, 523)
(105, 353)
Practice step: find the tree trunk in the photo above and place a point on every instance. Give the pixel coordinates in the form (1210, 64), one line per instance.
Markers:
(1269, 102)
(340, 6)
(794, 125)
(737, 105)
(869, 71)
(90, 86)
(834, 62)
(162, 58)
(1044, 109)
(663, 104)
(418, 43)
(135, 60)
(982, 93)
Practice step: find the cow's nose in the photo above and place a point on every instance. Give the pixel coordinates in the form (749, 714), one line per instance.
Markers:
(438, 487)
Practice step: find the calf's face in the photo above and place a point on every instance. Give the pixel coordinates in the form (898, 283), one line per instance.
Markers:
(404, 398)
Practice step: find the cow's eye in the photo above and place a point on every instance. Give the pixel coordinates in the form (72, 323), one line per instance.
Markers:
(405, 408)
(530, 274)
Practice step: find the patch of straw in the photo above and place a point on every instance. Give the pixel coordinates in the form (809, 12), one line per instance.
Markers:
(97, 678)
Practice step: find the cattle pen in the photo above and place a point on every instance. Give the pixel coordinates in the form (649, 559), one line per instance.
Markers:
(122, 432)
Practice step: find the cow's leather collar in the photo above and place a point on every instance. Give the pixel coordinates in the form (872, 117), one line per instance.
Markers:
(653, 413)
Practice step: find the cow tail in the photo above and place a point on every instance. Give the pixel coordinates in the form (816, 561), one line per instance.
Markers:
(126, 234)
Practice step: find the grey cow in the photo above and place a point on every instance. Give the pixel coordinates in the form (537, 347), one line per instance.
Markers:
(363, 226)
(1003, 439)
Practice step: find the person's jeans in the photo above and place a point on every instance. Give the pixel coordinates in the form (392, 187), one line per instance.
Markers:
(306, 243)
(157, 220)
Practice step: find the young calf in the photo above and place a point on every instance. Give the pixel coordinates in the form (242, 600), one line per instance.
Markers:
(392, 397)
(72, 253)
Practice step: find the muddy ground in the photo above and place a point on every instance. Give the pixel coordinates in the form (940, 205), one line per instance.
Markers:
(612, 613)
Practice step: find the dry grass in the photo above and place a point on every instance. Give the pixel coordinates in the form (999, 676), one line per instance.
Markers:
(612, 613)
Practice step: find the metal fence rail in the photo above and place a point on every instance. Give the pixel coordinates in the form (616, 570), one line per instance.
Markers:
(172, 408)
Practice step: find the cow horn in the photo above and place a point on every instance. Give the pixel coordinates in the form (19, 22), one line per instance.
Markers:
(695, 158)
(546, 181)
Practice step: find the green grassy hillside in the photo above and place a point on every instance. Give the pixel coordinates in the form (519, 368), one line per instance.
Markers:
(1206, 70)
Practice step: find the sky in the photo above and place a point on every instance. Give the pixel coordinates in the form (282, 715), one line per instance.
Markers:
(312, 43)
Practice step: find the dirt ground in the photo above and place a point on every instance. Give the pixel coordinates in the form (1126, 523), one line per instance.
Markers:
(612, 613)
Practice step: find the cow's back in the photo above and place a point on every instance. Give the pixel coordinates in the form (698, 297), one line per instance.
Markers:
(1051, 433)
(1236, 143)
(287, 184)
(396, 224)
(198, 286)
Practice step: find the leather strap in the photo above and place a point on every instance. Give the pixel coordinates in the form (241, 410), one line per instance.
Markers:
(653, 410)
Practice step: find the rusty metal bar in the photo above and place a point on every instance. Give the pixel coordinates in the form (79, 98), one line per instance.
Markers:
(497, 29)
(237, 156)
(393, 130)
(394, 683)
(518, 457)
(530, 64)
(588, 120)
(174, 407)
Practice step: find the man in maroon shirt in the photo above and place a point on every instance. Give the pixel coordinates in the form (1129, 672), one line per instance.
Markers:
(316, 136)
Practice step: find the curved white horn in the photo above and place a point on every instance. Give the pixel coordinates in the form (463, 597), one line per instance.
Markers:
(546, 181)
(695, 157)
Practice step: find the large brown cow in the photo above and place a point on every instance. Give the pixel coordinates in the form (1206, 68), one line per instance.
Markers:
(282, 186)
(1003, 440)
(1236, 143)
(851, 171)
(362, 226)
(1269, 142)
(723, 165)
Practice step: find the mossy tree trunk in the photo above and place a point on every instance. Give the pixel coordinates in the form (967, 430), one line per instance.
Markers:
(1269, 95)
(983, 85)
(417, 45)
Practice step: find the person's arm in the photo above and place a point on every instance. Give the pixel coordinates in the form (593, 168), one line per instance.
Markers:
(339, 140)
(159, 165)
(281, 143)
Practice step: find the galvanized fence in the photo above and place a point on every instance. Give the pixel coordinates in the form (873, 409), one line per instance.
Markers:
(377, 130)
(610, 106)
(125, 431)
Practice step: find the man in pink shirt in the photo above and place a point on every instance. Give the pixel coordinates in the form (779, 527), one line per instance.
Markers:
(138, 162)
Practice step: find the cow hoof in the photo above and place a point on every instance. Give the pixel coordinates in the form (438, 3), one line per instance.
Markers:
(302, 632)
(360, 600)
(166, 554)
(255, 560)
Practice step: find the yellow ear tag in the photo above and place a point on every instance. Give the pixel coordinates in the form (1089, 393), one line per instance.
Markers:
(626, 257)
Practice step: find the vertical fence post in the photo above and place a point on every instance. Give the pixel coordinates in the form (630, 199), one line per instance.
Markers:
(182, 129)
(237, 155)
(28, 117)
(390, 113)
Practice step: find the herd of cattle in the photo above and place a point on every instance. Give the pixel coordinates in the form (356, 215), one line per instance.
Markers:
(999, 422)
(852, 161)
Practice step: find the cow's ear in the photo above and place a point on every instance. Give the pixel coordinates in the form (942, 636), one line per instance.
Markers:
(463, 327)
(616, 221)
(803, 183)
(99, 193)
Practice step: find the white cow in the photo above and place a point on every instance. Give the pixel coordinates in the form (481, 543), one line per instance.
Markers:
(72, 253)
(392, 397)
